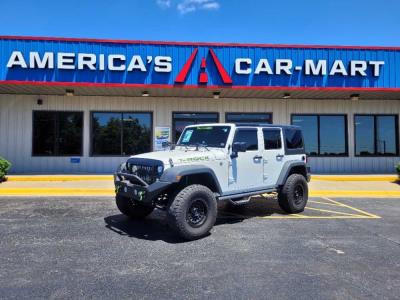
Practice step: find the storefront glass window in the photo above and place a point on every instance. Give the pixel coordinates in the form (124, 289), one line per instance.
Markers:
(115, 133)
(57, 133)
(332, 135)
(237, 118)
(181, 120)
(136, 133)
(309, 126)
(375, 135)
(324, 135)
(386, 137)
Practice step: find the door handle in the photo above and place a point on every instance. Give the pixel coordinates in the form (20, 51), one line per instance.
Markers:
(257, 157)
(279, 156)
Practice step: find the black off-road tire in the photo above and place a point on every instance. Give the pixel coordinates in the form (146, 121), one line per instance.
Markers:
(293, 196)
(194, 202)
(134, 211)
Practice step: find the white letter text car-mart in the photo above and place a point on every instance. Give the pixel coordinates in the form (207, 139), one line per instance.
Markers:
(245, 66)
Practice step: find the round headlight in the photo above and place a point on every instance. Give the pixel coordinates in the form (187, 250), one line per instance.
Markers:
(160, 169)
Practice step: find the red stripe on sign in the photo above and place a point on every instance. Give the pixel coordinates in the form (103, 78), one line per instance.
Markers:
(170, 86)
(221, 70)
(203, 63)
(186, 68)
(195, 44)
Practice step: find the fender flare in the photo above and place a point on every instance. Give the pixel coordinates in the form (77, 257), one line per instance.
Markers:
(287, 167)
(170, 175)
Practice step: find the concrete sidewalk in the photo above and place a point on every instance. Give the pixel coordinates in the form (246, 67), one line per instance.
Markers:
(377, 186)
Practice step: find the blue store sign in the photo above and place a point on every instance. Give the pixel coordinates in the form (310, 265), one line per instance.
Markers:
(163, 64)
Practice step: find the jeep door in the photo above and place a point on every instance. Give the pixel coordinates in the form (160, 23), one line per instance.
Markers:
(245, 170)
(273, 155)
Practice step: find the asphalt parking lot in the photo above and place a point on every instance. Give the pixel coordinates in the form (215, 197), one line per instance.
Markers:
(83, 247)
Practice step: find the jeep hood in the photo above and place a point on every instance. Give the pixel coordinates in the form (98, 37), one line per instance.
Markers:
(179, 156)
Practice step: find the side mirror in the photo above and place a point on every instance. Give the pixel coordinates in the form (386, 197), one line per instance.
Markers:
(238, 147)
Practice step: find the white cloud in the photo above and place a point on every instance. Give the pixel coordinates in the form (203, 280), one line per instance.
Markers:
(187, 6)
(164, 3)
(211, 5)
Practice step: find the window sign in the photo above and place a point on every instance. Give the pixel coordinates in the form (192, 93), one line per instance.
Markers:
(187, 136)
(162, 135)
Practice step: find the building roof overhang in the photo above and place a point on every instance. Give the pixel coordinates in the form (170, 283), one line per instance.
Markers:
(90, 89)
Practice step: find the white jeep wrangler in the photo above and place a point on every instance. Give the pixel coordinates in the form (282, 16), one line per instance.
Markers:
(212, 162)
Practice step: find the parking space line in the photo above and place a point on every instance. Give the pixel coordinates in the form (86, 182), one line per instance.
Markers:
(361, 214)
(299, 216)
(353, 208)
(332, 212)
(316, 217)
(324, 203)
(284, 217)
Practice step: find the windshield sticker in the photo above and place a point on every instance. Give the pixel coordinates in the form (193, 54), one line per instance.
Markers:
(187, 136)
(205, 128)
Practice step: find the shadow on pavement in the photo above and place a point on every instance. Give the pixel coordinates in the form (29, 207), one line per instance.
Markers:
(151, 229)
(257, 207)
(155, 227)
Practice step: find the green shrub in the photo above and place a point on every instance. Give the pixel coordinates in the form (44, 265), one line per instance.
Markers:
(4, 167)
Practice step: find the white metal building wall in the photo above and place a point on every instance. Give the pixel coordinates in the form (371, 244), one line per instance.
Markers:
(16, 127)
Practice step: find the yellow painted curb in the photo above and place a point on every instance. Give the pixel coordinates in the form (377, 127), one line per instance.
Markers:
(110, 192)
(110, 177)
(364, 193)
(354, 178)
(56, 192)
(60, 178)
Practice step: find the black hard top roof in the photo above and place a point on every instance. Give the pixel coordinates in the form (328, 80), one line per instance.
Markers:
(266, 125)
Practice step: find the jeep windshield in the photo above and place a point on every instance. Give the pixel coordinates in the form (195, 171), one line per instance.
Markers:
(207, 136)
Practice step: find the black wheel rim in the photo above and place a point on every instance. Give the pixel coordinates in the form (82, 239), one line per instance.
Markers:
(197, 213)
(298, 194)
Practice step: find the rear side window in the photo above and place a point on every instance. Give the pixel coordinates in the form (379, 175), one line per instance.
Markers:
(294, 138)
(248, 136)
(272, 139)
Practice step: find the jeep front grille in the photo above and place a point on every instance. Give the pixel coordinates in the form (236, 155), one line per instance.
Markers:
(145, 169)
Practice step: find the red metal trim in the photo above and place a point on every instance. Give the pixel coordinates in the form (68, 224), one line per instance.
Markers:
(203, 63)
(221, 70)
(196, 44)
(203, 78)
(170, 86)
(186, 68)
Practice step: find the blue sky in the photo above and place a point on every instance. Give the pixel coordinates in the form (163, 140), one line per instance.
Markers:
(330, 22)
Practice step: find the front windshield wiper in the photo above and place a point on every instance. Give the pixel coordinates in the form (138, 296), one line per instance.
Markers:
(197, 145)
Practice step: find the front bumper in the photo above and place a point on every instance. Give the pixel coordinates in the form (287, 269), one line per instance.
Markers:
(141, 192)
(308, 169)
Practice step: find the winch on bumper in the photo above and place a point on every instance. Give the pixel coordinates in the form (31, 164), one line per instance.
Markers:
(133, 187)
